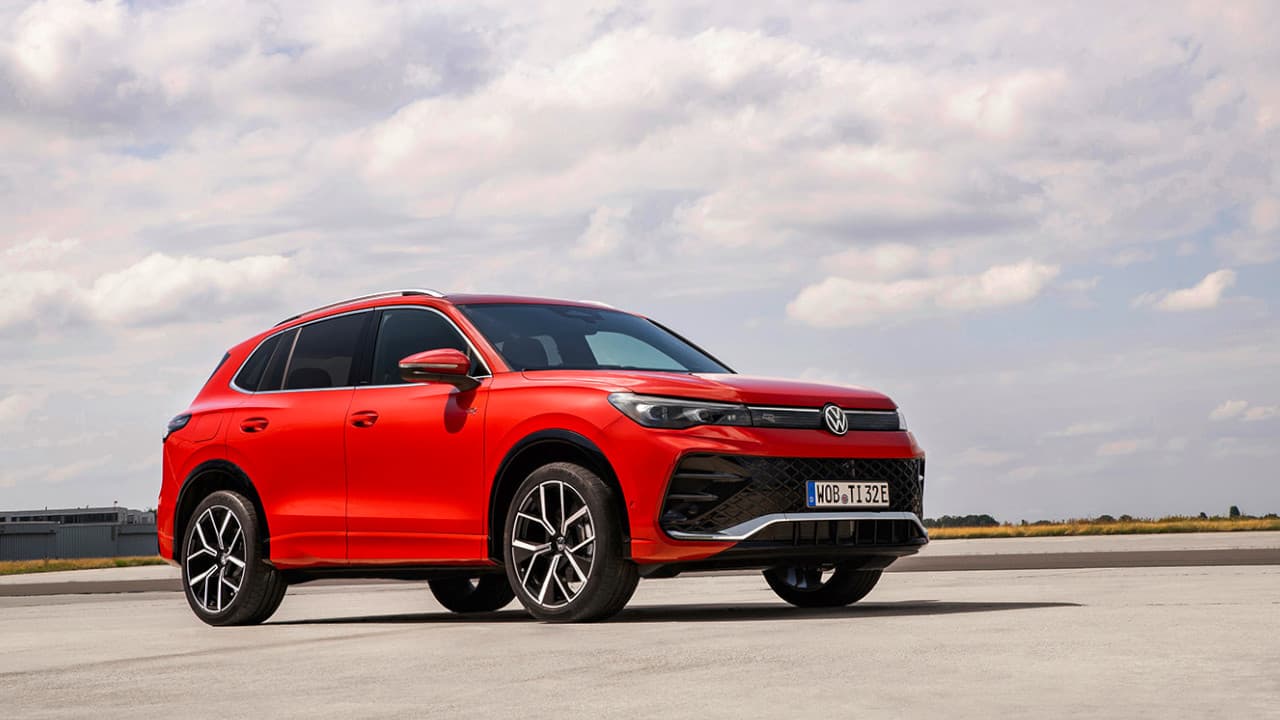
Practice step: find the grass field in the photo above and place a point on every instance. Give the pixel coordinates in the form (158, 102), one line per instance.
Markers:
(1131, 527)
(19, 567)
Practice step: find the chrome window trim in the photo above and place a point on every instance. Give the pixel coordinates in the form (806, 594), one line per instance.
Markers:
(408, 292)
(299, 326)
(745, 530)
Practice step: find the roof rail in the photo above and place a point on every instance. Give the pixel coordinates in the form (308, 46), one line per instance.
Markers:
(372, 296)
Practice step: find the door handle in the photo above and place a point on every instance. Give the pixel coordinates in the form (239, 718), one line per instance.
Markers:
(253, 424)
(364, 418)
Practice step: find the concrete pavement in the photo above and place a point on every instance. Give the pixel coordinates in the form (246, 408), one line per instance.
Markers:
(1048, 553)
(1132, 642)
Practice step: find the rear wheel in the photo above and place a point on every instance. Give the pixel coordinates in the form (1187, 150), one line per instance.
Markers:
(563, 546)
(814, 586)
(225, 578)
(473, 595)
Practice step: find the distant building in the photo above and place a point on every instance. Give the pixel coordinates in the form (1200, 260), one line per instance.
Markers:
(76, 516)
(76, 533)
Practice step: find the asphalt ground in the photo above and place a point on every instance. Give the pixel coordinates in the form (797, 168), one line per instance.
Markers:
(1048, 553)
(1130, 642)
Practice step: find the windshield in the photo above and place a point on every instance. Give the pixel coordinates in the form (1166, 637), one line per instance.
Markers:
(568, 337)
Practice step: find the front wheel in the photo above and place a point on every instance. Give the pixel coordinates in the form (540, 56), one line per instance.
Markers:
(563, 546)
(226, 579)
(813, 587)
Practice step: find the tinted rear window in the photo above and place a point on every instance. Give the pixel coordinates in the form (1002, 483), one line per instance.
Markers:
(273, 376)
(251, 373)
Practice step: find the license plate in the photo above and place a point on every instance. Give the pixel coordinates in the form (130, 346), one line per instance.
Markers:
(848, 494)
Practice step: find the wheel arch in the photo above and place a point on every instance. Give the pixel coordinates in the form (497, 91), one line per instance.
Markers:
(209, 477)
(532, 452)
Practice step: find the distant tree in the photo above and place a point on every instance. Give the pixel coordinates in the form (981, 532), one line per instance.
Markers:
(1234, 512)
(947, 521)
(1105, 519)
(1203, 516)
(1126, 518)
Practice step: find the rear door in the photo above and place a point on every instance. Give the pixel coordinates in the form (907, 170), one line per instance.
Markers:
(288, 436)
(415, 490)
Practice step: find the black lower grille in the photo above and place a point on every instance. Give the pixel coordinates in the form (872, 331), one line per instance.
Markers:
(709, 493)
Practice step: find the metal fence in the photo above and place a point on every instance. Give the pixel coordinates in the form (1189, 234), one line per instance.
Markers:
(39, 540)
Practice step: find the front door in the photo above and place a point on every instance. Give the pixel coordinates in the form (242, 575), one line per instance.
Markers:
(415, 490)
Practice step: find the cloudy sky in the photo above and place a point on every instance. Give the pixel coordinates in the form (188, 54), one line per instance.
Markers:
(1051, 234)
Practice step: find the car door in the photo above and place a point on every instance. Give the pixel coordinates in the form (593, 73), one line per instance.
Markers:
(415, 488)
(288, 435)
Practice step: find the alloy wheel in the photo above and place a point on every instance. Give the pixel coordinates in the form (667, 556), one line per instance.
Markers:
(216, 559)
(553, 544)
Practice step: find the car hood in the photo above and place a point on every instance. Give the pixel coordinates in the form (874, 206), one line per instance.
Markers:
(723, 387)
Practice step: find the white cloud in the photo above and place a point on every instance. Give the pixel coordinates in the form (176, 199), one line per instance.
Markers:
(1258, 240)
(885, 261)
(160, 288)
(1228, 410)
(38, 299)
(1264, 216)
(1120, 448)
(1131, 256)
(843, 302)
(14, 410)
(75, 469)
(1257, 413)
(39, 253)
(1243, 410)
(606, 232)
(731, 153)
(1203, 295)
(1081, 429)
(981, 457)
(1234, 447)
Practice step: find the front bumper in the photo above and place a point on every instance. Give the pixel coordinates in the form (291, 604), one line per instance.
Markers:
(766, 523)
(709, 494)
(857, 528)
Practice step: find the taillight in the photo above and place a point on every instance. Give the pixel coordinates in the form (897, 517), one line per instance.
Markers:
(176, 424)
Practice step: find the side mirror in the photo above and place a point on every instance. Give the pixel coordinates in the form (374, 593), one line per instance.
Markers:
(443, 366)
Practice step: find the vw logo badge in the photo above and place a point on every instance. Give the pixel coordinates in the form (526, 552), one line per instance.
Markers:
(835, 419)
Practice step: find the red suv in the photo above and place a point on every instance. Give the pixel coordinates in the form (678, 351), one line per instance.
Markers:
(504, 447)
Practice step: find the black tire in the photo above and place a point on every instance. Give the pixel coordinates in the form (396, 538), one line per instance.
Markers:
(805, 586)
(594, 538)
(486, 593)
(220, 591)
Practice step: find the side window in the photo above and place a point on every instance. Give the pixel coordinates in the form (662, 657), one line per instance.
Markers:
(273, 375)
(251, 373)
(403, 332)
(324, 353)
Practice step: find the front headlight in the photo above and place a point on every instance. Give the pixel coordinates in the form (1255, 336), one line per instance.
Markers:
(676, 414)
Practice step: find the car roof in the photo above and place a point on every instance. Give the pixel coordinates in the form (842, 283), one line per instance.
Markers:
(487, 299)
(410, 296)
